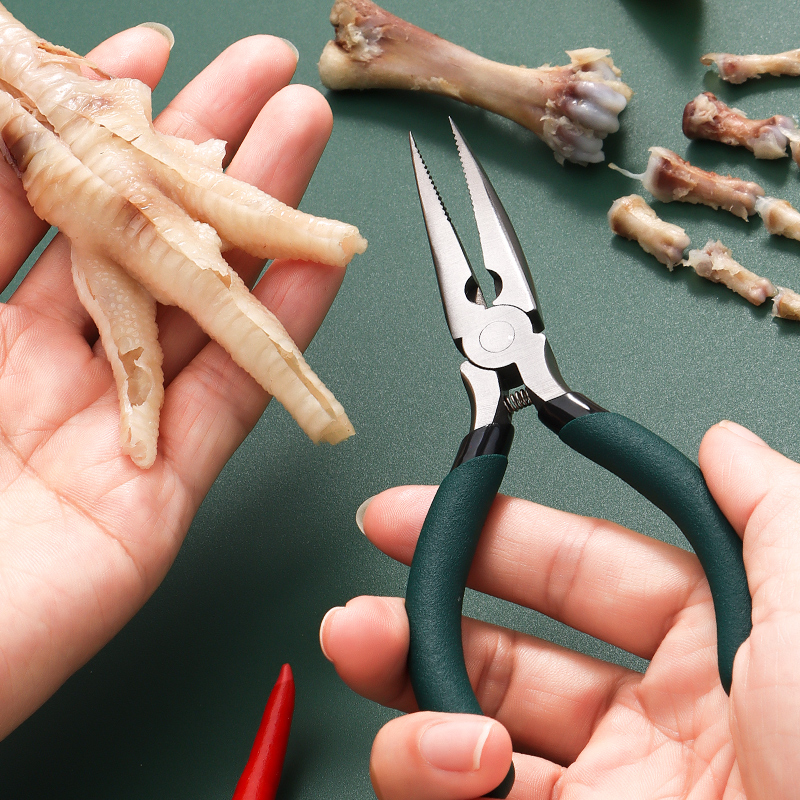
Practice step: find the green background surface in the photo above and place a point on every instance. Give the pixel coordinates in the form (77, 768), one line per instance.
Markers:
(169, 708)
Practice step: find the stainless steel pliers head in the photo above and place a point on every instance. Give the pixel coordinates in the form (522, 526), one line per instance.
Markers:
(509, 361)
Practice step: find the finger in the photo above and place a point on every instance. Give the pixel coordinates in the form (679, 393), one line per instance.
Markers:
(536, 778)
(428, 756)
(742, 471)
(367, 641)
(137, 52)
(287, 140)
(549, 698)
(225, 98)
(370, 645)
(279, 156)
(598, 577)
(758, 490)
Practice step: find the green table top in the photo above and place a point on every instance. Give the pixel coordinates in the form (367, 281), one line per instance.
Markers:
(169, 708)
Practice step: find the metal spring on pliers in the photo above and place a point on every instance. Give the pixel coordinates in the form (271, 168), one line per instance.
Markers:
(516, 401)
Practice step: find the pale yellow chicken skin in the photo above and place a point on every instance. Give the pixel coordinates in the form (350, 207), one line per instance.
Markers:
(148, 217)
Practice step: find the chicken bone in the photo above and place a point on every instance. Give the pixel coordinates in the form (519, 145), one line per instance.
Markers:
(572, 107)
(669, 177)
(780, 217)
(716, 263)
(707, 117)
(786, 304)
(632, 218)
(738, 69)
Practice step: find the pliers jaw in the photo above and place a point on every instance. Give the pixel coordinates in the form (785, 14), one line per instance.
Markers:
(462, 298)
(502, 252)
(510, 364)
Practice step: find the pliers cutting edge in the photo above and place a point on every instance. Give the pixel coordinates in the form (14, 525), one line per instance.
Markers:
(509, 366)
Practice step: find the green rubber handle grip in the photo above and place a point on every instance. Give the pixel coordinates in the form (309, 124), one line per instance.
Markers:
(435, 591)
(673, 483)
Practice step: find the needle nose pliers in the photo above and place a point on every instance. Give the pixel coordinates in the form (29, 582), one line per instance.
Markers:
(510, 366)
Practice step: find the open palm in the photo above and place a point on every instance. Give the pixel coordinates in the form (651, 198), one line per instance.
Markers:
(85, 536)
(583, 728)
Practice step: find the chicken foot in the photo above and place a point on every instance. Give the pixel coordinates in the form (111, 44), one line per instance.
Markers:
(125, 315)
(148, 216)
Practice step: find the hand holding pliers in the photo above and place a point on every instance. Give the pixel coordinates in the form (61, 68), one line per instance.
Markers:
(510, 366)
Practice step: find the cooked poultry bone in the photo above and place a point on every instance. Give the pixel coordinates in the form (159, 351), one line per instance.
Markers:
(715, 263)
(572, 108)
(634, 219)
(669, 177)
(786, 304)
(707, 117)
(780, 217)
(738, 69)
(147, 216)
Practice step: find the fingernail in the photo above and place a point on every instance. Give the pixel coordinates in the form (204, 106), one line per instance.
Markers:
(162, 29)
(291, 44)
(325, 622)
(456, 746)
(741, 432)
(361, 512)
